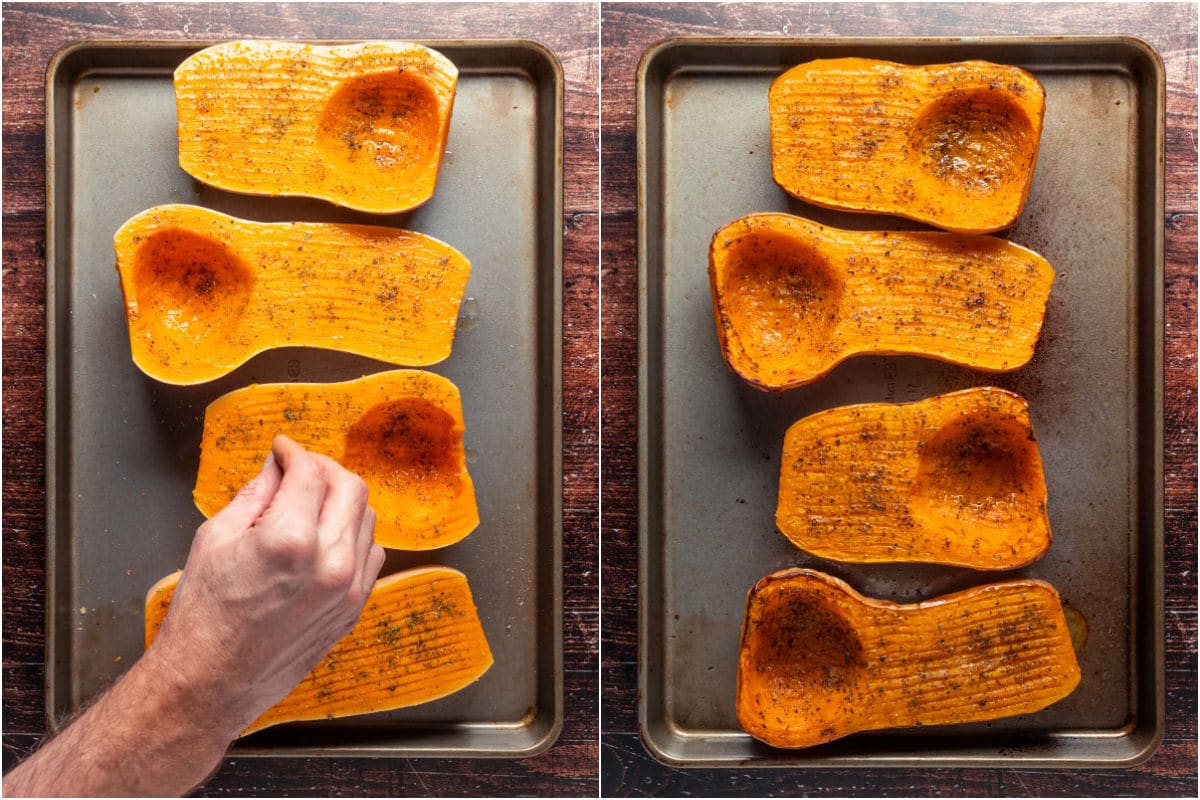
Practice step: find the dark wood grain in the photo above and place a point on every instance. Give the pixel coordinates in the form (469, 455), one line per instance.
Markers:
(626, 31)
(32, 34)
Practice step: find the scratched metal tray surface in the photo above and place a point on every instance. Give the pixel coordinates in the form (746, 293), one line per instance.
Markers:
(122, 449)
(709, 445)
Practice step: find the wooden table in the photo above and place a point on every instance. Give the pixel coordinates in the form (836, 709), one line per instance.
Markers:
(626, 31)
(32, 34)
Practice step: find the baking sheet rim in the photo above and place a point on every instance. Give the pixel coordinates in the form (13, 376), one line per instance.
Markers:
(1153, 605)
(547, 731)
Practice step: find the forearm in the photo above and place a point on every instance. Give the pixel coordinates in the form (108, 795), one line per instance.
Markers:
(272, 582)
(150, 734)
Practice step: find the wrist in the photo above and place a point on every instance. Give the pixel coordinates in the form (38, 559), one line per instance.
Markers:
(212, 713)
(152, 734)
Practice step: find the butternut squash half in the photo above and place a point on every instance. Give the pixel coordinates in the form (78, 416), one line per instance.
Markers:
(205, 292)
(819, 661)
(419, 638)
(360, 125)
(792, 298)
(954, 479)
(400, 431)
(951, 145)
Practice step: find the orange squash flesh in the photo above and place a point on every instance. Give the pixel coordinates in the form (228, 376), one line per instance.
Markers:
(792, 298)
(951, 145)
(360, 125)
(819, 661)
(419, 638)
(400, 431)
(205, 292)
(955, 479)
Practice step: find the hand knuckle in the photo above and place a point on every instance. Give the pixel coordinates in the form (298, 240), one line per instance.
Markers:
(331, 463)
(355, 597)
(331, 467)
(337, 573)
(375, 562)
(309, 469)
(215, 529)
(345, 479)
(252, 486)
(289, 544)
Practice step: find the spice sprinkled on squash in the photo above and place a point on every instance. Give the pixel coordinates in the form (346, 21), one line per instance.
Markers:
(792, 298)
(400, 431)
(419, 638)
(205, 292)
(954, 479)
(951, 145)
(819, 661)
(360, 125)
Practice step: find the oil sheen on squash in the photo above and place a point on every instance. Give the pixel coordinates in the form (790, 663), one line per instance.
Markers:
(792, 298)
(819, 661)
(400, 431)
(360, 125)
(954, 479)
(205, 292)
(951, 145)
(419, 638)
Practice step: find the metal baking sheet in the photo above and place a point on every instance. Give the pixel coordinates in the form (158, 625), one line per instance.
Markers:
(709, 445)
(122, 449)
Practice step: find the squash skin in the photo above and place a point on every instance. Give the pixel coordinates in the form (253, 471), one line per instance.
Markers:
(819, 661)
(400, 431)
(792, 299)
(951, 145)
(360, 125)
(955, 479)
(205, 292)
(422, 616)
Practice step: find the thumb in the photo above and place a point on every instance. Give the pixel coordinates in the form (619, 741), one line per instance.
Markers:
(253, 498)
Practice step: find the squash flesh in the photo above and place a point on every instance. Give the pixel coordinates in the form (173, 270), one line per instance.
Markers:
(400, 431)
(205, 292)
(951, 145)
(955, 479)
(792, 299)
(361, 125)
(419, 638)
(819, 661)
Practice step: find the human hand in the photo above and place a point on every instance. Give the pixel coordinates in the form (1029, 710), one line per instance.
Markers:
(271, 583)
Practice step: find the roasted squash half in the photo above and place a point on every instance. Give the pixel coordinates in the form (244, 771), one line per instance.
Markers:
(400, 431)
(819, 661)
(205, 292)
(954, 479)
(793, 298)
(360, 125)
(951, 145)
(419, 638)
